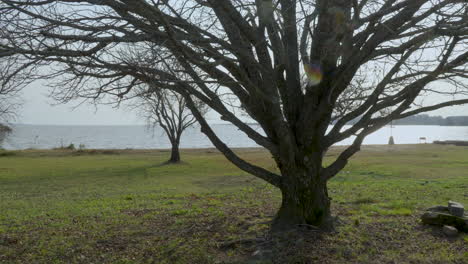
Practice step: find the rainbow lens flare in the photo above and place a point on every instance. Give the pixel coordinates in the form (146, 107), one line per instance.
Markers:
(314, 73)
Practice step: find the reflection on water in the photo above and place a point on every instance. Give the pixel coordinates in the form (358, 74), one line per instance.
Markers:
(139, 137)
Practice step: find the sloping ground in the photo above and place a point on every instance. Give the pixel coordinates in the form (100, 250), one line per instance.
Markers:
(123, 207)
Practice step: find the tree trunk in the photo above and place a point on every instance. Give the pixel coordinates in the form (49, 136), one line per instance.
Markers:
(175, 155)
(305, 202)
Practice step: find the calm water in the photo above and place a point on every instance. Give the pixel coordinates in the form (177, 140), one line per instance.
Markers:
(139, 137)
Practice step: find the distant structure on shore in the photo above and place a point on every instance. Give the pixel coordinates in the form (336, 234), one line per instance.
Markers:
(429, 120)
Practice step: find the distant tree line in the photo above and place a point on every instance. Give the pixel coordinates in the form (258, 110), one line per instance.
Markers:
(429, 120)
(4, 132)
(433, 120)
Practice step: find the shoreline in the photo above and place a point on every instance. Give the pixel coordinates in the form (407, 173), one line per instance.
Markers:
(214, 150)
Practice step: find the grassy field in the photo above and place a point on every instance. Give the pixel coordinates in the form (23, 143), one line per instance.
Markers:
(124, 207)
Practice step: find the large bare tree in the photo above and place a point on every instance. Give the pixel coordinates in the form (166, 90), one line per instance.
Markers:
(301, 68)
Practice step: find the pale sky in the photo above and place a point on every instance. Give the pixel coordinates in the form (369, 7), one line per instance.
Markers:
(37, 109)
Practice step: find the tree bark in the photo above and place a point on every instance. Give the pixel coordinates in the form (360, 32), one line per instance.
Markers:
(175, 155)
(305, 202)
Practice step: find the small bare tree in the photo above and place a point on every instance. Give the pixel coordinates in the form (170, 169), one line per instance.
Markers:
(168, 110)
(161, 107)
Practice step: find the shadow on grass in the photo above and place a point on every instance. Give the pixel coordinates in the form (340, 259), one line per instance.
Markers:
(285, 247)
(169, 163)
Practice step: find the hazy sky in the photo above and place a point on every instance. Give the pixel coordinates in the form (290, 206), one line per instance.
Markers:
(37, 109)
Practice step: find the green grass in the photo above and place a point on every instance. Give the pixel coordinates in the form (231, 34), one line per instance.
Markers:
(124, 207)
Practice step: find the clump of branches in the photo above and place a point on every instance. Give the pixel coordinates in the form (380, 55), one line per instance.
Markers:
(14, 75)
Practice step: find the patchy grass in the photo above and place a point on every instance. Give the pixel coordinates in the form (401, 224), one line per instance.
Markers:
(89, 206)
